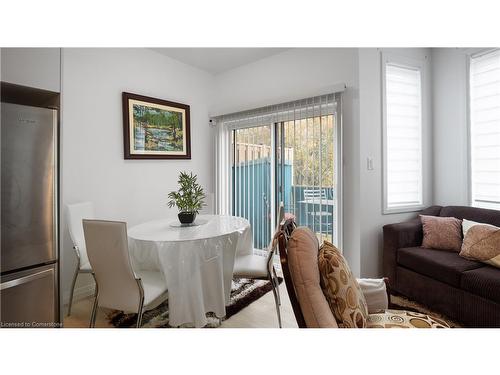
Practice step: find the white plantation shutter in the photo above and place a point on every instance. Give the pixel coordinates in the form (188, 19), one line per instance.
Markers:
(485, 129)
(403, 137)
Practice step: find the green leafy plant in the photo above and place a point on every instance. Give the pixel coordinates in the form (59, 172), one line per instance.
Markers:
(190, 197)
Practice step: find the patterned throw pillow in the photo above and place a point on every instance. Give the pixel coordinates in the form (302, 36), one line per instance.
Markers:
(404, 319)
(481, 242)
(341, 288)
(441, 233)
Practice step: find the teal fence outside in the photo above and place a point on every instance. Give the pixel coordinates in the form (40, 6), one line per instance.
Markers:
(252, 200)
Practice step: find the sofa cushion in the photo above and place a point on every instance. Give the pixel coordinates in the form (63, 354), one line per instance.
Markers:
(431, 211)
(481, 215)
(484, 282)
(303, 263)
(441, 265)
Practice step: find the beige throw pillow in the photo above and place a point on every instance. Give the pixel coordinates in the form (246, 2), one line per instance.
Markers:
(341, 288)
(441, 233)
(303, 250)
(482, 243)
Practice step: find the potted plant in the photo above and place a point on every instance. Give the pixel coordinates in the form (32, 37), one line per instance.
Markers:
(189, 198)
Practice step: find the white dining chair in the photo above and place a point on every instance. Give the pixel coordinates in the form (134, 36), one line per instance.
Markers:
(117, 285)
(257, 267)
(76, 213)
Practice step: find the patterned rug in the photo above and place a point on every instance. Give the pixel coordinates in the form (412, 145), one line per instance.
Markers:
(243, 293)
(403, 303)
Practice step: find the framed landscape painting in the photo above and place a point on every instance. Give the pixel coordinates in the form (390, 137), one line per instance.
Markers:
(155, 128)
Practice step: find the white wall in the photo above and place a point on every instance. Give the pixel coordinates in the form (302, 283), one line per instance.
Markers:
(449, 67)
(33, 67)
(371, 181)
(300, 73)
(93, 168)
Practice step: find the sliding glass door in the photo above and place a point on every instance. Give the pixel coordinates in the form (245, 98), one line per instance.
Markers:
(307, 179)
(289, 156)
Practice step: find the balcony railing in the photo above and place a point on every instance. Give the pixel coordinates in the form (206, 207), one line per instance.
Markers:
(311, 206)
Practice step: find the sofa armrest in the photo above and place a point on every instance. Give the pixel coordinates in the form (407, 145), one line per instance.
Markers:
(375, 293)
(396, 236)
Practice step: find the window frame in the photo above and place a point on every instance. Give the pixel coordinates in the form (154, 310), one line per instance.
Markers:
(472, 53)
(413, 64)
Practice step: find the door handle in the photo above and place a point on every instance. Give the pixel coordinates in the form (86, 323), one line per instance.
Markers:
(25, 279)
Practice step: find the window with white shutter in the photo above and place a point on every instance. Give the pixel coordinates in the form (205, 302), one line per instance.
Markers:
(403, 175)
(485, 130)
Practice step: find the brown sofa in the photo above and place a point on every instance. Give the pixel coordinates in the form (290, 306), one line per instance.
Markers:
(464, 290)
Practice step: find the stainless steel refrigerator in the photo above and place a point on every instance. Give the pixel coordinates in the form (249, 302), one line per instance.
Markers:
(29, 209)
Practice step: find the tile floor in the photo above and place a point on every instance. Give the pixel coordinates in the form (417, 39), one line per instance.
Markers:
(259, 314)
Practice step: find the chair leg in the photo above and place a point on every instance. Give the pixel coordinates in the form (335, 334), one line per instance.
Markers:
(96, 302)
(70, 304)
(277, 284)
(94, 312)
(141, 303)
(276, 299)
(139, 315)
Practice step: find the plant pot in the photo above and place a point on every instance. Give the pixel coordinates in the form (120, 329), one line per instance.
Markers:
(187, 217)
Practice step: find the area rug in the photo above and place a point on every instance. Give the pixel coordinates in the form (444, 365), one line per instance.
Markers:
(243, 293)
(403, 303)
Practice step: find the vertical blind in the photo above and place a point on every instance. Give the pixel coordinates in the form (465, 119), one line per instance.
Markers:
(261, 163)
(485, 129)
(225, 124)
(403, 137)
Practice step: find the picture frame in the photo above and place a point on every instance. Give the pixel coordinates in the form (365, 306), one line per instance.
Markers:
(155, 128)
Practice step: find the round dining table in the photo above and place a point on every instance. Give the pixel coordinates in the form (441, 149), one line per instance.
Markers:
(196, 260)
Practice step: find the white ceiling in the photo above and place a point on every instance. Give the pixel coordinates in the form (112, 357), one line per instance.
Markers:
(218, 60)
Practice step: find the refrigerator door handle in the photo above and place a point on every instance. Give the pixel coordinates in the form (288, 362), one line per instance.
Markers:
(25, 279)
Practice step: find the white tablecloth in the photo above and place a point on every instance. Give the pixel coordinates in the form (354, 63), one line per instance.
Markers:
(197, 262)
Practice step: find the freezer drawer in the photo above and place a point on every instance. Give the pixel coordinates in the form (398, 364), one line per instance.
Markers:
(28, 298)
